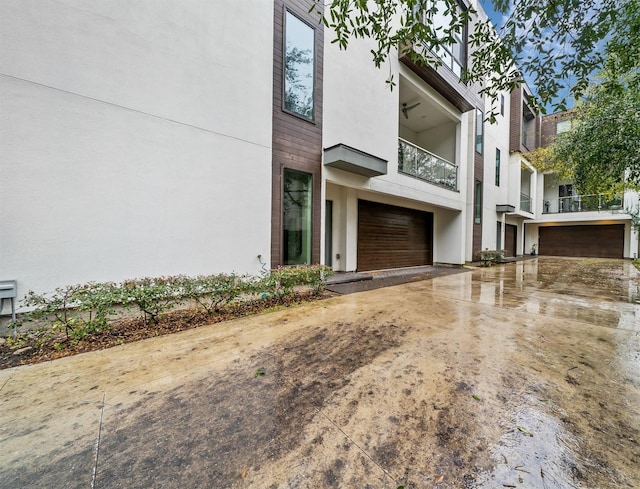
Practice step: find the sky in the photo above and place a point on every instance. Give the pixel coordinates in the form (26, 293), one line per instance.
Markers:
(498, 19)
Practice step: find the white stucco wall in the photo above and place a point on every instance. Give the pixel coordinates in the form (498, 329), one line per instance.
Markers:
(361, 111)
(135, 139)
(496, 136)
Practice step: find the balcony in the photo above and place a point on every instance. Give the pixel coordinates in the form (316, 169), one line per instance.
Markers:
(583, 203)
(525, 203)
(420, 163)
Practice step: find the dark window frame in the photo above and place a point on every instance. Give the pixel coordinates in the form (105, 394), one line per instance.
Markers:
(311, 120)
(479, 131)
(464, 41)
(283, 253)
(477, 212)
(498, 164)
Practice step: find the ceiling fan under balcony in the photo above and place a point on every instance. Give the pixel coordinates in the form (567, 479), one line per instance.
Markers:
(405, 109)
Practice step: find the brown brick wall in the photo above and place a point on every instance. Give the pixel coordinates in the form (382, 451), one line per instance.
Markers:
(516, 123)
(549, 123)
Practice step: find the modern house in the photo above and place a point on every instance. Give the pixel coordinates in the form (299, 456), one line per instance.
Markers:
(566, 223)
(206, 137)
(398, 165)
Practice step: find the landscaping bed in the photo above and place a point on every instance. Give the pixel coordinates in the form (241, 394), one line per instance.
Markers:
(88, 317)
(39, 346)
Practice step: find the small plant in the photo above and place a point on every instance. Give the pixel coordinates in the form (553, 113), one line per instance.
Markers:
(212, 292)
(59, 308)
(534, 247)
(152, 296)
(281, 281)
(489, 257)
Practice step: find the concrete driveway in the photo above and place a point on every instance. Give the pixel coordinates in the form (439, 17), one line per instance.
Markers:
(523, 375)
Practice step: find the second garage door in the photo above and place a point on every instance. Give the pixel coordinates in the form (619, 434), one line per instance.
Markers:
(393, 237)
(598, 241)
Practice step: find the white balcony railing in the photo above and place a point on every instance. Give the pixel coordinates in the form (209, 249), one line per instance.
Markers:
(420, 163)
(583, 203)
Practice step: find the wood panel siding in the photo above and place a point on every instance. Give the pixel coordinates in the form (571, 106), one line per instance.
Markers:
(296, 142)
(510, 239)
(597, 241)
(393, 237)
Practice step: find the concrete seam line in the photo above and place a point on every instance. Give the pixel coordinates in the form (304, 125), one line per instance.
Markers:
(6, 382)
(95, 458)
(366, 454)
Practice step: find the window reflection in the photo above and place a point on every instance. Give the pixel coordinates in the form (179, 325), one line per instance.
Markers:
(299, 67)
(296, 218)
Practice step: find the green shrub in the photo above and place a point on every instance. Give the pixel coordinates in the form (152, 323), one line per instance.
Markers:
(212, 292)
(489, 257)
(77, 310)
(152, 296)
(282, 280)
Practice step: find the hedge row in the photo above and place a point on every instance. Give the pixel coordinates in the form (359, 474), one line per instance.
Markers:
(80, 310)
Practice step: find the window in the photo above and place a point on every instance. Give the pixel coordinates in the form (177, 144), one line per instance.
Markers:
(563, 126)
(296, 218)
(299, 67)
(477, 214)
(501, 104)
(497, 167)
(452, 54)
(479, 130)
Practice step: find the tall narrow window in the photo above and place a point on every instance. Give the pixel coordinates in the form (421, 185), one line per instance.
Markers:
(501, 104)
(479, 130)
(299, 67)
(477, 214)
(497, 167)
(296, 218)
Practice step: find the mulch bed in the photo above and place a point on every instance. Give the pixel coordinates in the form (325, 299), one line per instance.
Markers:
(127, 330)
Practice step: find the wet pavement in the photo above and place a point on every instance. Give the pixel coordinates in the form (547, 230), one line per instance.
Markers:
(522, 375)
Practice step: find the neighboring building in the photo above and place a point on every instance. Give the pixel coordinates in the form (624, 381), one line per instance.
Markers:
(569, 224)
(146, 141)
(510, 178)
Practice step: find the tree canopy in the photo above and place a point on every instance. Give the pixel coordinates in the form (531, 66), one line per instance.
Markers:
(601, 152)
(553, 43)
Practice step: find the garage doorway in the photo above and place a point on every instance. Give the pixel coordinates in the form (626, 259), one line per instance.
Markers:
(393, 237)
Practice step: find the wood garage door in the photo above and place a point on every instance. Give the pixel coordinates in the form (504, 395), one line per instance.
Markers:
(600, 241)
(510, 239)
(393, 237)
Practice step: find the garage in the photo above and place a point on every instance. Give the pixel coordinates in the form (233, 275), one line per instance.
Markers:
(393, 237)
(597, 241)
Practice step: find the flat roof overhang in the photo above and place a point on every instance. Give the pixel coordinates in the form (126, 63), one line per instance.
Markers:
(355, 161)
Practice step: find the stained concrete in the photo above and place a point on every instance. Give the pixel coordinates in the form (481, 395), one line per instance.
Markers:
(522, 375)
